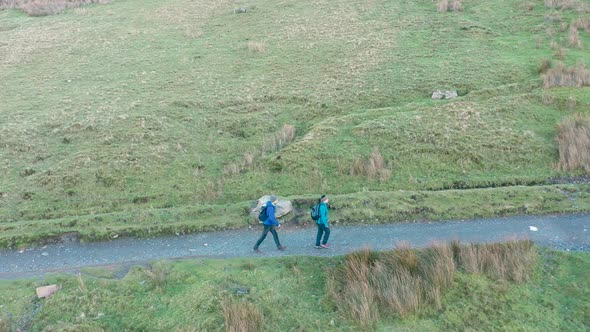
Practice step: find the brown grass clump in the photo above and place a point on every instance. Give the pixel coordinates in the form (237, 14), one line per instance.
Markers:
(577, 76)
(456, 6)
(241, 316)
(256, 47)
(275, 143)
(285, 136)
(573, 139)
(510, 261)
(538, 42)
(374, 167)
(582, 23)
(544, 66)
(47, 7)
(4, 324)
(443, 6)
(403, 280)
(567, 4)
(573, 37)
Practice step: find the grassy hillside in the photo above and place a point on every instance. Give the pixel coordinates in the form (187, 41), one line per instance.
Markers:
(291, 294)
(148, 104)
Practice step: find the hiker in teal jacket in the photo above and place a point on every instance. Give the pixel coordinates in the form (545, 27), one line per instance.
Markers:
(323, 225)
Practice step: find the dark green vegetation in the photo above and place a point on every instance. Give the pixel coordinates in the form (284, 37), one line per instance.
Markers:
(292, 294)
(144, 117)
(364, 208)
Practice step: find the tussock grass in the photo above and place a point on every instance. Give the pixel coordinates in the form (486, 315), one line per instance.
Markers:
(573, 139)
(582, 23)
(577, 76)
(47, 7)
(373, 168)
(452, 6)
(510, 261)
(573, 37)
(370, 285)
(567, 4)
(544, 66)
(157, 275)
(273, 144)
(4, 324)
(256, 47)
(241, 316)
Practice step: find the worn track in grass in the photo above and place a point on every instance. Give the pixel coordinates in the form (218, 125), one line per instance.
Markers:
(563, 232)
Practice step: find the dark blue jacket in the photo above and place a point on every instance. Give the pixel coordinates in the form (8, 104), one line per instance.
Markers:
(270, 212)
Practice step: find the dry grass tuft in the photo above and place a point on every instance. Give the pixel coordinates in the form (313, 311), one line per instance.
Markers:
(577, 76)
(443, 6)
(285, 136)
(404, 280)
(275, 143)
(157, 276)
(544, 66)
(573, 37)
(47, 7)
(563, 26)
(567, 4)
(538, 42)
(374, 167)
(241, 316)
(582, 23)
(256, 47)
(4, 324)
(573, 139)
(510, 261)
(454, 6)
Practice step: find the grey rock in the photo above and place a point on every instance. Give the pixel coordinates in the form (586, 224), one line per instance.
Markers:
(242, 291)
(441, 94)
(241, 10)
(282, 208)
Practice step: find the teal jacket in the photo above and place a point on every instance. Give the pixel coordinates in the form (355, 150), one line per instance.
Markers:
(323, 214)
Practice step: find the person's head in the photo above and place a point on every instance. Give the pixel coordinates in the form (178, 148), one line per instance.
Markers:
(324, 199)
(274, 199)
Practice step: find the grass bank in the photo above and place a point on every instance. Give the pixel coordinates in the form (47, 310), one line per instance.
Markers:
(294, 293)
(359, 208)
(140, 104)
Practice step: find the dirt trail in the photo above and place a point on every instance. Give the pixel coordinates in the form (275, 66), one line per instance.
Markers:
(563, 232)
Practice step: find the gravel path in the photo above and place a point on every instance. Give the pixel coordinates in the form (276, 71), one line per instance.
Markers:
(564, 232)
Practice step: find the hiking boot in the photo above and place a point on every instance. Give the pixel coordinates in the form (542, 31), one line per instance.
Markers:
(325, 246)
(282, 248)
(318, 247)
(256, 250)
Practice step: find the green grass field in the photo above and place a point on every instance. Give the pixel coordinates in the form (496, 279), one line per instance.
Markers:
(142, 108)
(290, 293)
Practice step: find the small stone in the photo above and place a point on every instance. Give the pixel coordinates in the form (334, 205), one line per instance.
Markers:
(46, 291)
(242, 291)
(205, 244)
(241, 10)
(533, 228)
(44, 253)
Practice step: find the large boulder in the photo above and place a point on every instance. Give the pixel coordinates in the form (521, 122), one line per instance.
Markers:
(283, 207)
(440, 94)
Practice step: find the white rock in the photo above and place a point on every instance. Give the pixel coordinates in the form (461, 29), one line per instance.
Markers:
(533, 228)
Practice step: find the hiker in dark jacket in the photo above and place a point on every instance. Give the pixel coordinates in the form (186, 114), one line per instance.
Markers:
(270, 224)
(323, 226)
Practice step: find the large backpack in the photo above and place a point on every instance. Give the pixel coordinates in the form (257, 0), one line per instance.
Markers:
(315, 212)
(263, 215)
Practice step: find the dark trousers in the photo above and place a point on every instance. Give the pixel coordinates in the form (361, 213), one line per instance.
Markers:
(272, 230)
(322, 230)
